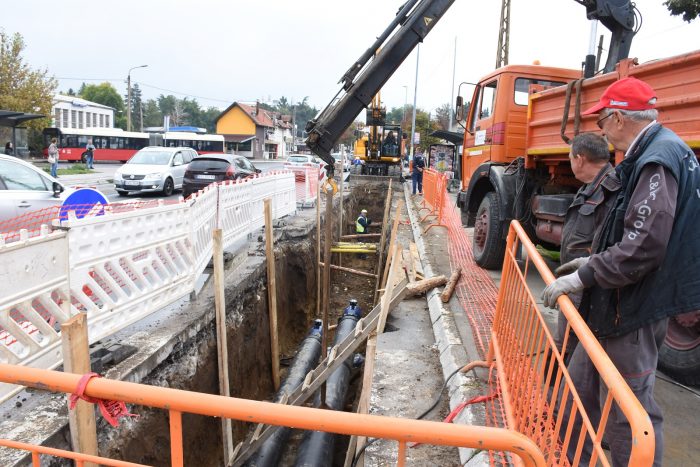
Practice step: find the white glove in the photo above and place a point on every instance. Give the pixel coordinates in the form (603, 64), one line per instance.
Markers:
(571, 266)
(563, 285)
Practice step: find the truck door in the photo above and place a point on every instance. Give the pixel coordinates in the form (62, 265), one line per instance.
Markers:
(477, 148)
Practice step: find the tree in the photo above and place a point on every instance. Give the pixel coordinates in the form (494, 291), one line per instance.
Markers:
(690, 9)
(152, 115)
(21, 88)
(442, 116)
(106, 94)
(136, 103)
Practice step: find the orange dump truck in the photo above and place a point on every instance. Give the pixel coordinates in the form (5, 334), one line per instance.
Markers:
(515, 163)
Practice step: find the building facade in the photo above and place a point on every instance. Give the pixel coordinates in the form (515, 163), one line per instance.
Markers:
(254, 132)
(74, 112)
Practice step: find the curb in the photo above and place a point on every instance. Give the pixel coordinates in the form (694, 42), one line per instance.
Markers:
(454, 354)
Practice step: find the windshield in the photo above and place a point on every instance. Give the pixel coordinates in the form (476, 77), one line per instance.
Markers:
(301, 159)
(151, 157)
(209, 164)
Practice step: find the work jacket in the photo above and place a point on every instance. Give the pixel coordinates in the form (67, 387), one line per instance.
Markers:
(588, 210)
(361, 225)
(671, 288)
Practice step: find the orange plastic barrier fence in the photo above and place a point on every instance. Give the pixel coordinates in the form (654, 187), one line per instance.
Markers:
(79, 459)
(537, 394)
(178, 402)
(434, 188)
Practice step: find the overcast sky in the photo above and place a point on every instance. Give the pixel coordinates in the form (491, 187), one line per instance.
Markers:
(243, 50)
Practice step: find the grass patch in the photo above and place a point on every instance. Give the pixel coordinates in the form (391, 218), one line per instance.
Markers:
(74, 169)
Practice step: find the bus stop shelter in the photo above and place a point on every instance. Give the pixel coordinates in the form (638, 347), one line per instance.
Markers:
(12, 119)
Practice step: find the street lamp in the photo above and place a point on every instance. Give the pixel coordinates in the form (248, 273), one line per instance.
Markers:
(128, 98)
(405, 103)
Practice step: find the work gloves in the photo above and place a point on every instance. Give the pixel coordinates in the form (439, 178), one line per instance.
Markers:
(571, 266)
(563, 285)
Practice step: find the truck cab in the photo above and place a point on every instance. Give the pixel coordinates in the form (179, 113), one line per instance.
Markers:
(495, 137)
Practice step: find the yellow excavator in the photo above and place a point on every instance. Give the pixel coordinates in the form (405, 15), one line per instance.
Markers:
(379, 149)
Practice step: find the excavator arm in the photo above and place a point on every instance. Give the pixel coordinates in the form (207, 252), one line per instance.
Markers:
(415, 19)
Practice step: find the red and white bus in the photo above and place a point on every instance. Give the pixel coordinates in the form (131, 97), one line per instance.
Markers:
(111, 144)
(115, 144)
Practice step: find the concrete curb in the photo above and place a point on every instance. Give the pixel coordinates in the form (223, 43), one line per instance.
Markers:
(454, 354)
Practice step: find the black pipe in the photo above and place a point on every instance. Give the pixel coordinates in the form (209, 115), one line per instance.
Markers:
(304, 361)
(317, 447)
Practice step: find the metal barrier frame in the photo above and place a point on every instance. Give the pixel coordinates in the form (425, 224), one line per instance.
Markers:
(528, 361)
(177, 402)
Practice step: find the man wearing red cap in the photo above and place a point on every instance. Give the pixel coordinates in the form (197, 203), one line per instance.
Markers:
(645, 265)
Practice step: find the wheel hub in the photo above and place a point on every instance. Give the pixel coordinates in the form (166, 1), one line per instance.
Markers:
(680, 335)
(481, 226)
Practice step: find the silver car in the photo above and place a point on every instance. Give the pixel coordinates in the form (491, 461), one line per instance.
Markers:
(154, 169)
(25, 188)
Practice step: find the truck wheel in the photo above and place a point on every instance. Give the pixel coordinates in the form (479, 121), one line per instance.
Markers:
(679, 356)
(487, 244)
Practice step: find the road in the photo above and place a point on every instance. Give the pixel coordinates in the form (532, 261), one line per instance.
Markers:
(104, 173)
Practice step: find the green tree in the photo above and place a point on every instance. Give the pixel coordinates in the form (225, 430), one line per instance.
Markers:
(23, 89)
(106, 94)
(442, 116)
(690, 9)
(151, 114)
(136, 104)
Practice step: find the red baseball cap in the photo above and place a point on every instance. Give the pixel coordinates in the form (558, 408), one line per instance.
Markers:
(626, 94)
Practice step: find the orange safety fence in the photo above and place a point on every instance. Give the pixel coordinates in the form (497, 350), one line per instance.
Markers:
(434, 189)
(80, 459)
(177, 402)
(538, 397)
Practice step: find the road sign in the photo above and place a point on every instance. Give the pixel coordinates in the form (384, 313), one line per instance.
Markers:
(84, 202)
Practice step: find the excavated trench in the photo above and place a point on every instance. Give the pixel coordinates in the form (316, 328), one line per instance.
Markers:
(192, 363)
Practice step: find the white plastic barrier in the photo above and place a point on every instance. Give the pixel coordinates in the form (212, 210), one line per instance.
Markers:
(120, 266)
(307, 180)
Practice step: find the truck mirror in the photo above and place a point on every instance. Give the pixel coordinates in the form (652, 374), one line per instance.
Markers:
(459, 109)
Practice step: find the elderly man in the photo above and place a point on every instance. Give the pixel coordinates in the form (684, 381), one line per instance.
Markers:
(590, 162)
(645, 266)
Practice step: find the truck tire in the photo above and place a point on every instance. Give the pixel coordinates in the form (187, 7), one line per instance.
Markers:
(487, 244)
(679, 356)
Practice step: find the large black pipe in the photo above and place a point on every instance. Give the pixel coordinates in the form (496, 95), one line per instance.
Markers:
(317, 446)
(304, 361)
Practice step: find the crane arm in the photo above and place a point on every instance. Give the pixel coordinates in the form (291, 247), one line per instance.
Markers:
(416, 19)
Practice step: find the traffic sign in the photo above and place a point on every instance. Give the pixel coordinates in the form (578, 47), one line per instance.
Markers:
(84, 202)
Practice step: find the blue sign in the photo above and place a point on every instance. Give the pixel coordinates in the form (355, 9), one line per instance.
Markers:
(84, 201)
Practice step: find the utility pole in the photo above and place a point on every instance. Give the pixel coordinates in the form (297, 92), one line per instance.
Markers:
(452, 94)
(128, 96)
(503, 35)
(415, 93)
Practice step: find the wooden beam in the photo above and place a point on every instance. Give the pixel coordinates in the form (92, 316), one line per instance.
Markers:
(272, 295)
(221, 340)
(351, 271)
(451, 284)
(353, 236)
(76, 359)
(318, 250)
(393, 278)
(392, 241)
(327, 244)
(419, 287)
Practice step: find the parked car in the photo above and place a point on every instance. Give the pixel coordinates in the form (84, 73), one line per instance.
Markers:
(25, 188)
(211, 168)
(303, 160)
(154, 169)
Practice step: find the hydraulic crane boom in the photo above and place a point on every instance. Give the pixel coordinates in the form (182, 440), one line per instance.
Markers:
(417, 18)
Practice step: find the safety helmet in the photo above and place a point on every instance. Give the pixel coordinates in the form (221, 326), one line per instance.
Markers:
(364, 211)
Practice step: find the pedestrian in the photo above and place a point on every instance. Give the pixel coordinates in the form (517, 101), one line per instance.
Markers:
(8, 148)
(53, 157)
(89, 154)
(590, 163)
(645, 265)
(417, 173)
(361, 226)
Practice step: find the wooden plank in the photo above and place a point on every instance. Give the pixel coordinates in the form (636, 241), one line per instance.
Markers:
(417, 264)
(390, 286)
(407, 261)
(392, 241)
(385, 221)
(327, 244)
(76, 359)
(221, 340)
(272, 295)
(363, 405)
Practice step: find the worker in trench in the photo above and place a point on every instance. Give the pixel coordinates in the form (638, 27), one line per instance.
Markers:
(590, 163)
(362, 227)
(644, 266)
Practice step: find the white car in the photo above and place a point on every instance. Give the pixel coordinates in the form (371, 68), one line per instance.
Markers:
(154, 169)
(25, 188)
(304, 160)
